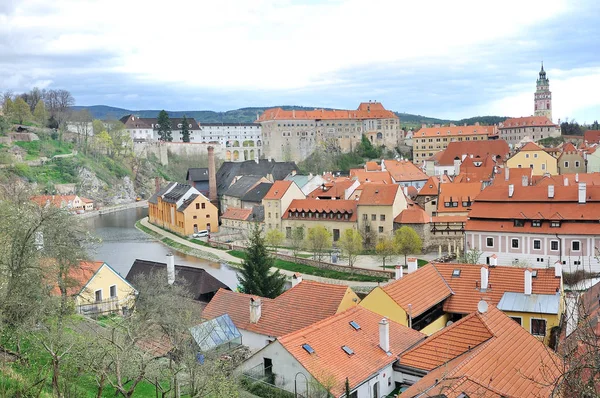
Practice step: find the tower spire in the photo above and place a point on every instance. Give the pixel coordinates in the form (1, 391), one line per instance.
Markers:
(542, 66)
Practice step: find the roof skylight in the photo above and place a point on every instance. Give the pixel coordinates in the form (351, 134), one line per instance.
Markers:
(347, 350)
(308, 348)
(456, 273)
(355, 325)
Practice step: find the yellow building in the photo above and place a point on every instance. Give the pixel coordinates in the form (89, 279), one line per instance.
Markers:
(97, 288)
(277, 200)
(534, 157)
(378, 205)
(426, 299)
(182, 209)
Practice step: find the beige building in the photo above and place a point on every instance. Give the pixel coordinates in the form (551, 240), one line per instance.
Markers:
(241, 221)
(292, 135)
(571, 160)
(531, 128)
(335, 215)
(378, 205)
(430, 140)
(277, 200)
(534, 157)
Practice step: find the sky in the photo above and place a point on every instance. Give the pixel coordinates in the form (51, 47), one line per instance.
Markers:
(439, 58)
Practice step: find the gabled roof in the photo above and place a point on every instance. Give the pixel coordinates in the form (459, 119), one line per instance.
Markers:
(510, 363)
(242, 186)
(54, 200)
(197, 281)
(372, 166)
(278, 189)
(371, 176)
(457, 192)
(77, 277)
(364, 111)
(421, 289)
(515, 175)
(431, 187)
(154, 198)
(323, 206)
(413, 215)
(186, 203)
(527, 121)
(404, 170)
(531, 146)
(335, 189)
(476, 170)
(229, 170)
(457, 149)
(298, 307)
(592, 136)
(447, 131)
(257, 193)
(378, 194)
(196, 174)
(330, 365)
(234, 213)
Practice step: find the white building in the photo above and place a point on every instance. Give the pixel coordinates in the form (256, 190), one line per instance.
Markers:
(242, 140)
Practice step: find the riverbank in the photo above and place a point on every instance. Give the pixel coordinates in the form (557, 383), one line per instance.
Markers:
(112, 209)
(214, 254)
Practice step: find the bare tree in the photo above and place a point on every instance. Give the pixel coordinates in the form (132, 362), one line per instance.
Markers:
(58, 103)
(83, 124)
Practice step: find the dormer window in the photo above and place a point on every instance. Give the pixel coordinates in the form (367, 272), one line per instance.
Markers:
(536, 223)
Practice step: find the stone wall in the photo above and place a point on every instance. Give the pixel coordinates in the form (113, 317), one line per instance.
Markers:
(162, 149)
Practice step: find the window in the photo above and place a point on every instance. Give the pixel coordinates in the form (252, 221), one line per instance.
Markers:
(517, 319)
(537, 244)
(575, 246)
(197, 206)
(373, 217)
(489, 242)
(365, 217)
(447, 204)
(519, 223)
(308, 348)
(204, 205)
(336, 235)
(380, 230)
(527, 156)
(288, 232)
(98, 295)
(113, 291)
(566, 164)
(355, 325)
(382, 217)
(514, 243)
(195, 217)
(577, 163)
(456, 273)
(554, 245)
(554, 224)
(543, 166)
(536, 223)
(466, 203)
(538, 327)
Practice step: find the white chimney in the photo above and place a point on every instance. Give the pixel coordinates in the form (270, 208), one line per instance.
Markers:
(255, 309)
(456, 167)
(558, 269)
(576, 177)
(296, 278)
(528, 281)
(550, 191)
(412, 265)
(524, 181)
(398, 272)
(493, 260)
(511, 190)
(170, 268)
(582, 192)
(566, 182)
(506, 173)
(384, 335)
(484, 278)
(405, 189)
(382, 165)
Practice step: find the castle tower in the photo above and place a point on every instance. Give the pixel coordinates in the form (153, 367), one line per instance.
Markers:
(543, 96)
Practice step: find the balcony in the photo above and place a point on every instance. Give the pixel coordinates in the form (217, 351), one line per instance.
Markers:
(103, 307)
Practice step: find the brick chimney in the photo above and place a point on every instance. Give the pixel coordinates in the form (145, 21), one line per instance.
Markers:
(156, 184)
(212, 175)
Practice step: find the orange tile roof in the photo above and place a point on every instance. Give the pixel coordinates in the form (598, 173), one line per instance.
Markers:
(515, 175)
(330, 365)
(335, 189)
(592, 136)
(445, 131)
(55, 200)
(404, 170)
(476, 169)
(422, 289)
(530, 146)
(511, 363)
(457, 192)
(364, 111)
(298, 307)
(86, 200)
(77, 277)
(526, 121)
(431, 187)
(413, 215)
(278, 189)
(378, 194)
(372, 166)
(457, 149)
(234, 213)
(371, 176)
(501, 279)
(322, 206)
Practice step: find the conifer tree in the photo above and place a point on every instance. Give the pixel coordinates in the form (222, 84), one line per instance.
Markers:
(185, 130)
(164, 127)
(256, 277)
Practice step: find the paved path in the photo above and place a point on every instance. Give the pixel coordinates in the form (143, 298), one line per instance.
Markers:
(224, 256)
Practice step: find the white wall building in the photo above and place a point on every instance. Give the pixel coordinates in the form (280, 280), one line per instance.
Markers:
(242, 140)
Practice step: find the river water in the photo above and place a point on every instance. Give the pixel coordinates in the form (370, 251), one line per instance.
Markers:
(122, 244)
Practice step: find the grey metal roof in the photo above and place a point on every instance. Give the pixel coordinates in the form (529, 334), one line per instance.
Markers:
(186, 203)
(242, 186)
(216, 332)
(258, 214)
(176, 193)
(300, 179)
(257, 193)
(154, 198)
(229, 170)
(533, 303)
(197, 174)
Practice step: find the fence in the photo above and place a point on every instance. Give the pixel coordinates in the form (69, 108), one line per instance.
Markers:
(262, 381)
(107, 306)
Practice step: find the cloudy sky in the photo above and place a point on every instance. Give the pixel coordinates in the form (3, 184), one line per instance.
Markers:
(447, 59)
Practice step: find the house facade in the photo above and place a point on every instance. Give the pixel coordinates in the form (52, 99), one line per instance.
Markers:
(534, 157)
(378, 205)
(69, 202)
(241, 140)
(277, 200)
(533, 128)
(570, 160)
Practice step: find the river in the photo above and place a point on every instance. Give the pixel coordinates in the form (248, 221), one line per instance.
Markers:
(122, 244)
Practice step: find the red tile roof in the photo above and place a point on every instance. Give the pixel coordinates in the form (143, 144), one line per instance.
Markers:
(511, 363)
(330, 365)
(372, 166)
(448, 131)
(378, 194)
(77, 277)
(530, 146)
(335, 189)
(298, 307)
(457, 192)
(278, 189)
(322, 206)
(54, 200)
(364, 111)
(592, 136)
(431, 187)
(527, 121)
(457, 149)
(476, 169)
(413, 215)
(371, 176)
(515, 175)
(422, 289)
(234, 213)
(448, 219)
(404, 171)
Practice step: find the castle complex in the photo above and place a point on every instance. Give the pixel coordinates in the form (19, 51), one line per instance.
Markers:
(543, 96)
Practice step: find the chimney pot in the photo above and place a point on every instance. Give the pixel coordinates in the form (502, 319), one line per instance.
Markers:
(528, 281)
(412, 265)
(170, 268)
(576, 177)
(255, 309)
(484, 278)
(493, 260)
(398, 272)
(384, 335)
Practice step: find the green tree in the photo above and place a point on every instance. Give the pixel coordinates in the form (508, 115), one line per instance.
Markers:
(318, 240)
(407, 241)
(274, 238)
(385, 249)
(351, 244)
(4, 125)
(40, 114)
(98, 126)
(22, 113)
(185, 130)
(8, 107)
(256, 277)
(297, 240)
(367, 150)
(164, 127)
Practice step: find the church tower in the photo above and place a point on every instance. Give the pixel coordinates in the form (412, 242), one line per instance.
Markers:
(543, 96)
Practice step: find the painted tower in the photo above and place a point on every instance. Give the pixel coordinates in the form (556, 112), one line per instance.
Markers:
(543, 96)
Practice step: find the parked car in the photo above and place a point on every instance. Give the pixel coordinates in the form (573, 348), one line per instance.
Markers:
(200, 234)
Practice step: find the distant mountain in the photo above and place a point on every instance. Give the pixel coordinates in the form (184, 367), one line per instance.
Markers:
(248, 115)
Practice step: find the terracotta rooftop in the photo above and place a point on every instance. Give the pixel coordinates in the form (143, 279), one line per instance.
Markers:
(527, 121)
(422, 289)
(446, 131)
(515, 175)
(372, 166)
(458, 149)
(509, 363)
(457, 193)
(54, 200)
(431, 186)
(530, 146)
(234, 213)
(278, 189)
(330, 365)
(413, 215)
(476, 169)
(592, 136)
(364, 111)
(335, 189)
(77, 277)
(371, 176)
(378, 194)
(404, 170)
(298, 307)
(329, 207)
